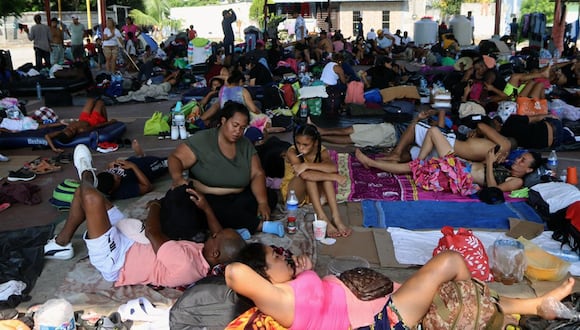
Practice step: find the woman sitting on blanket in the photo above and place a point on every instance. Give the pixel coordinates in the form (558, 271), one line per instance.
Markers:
(311, 173)
(451, 173)
(296, 297)
(236, 92)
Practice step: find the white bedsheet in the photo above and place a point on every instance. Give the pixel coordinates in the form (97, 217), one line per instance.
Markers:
(416, 247)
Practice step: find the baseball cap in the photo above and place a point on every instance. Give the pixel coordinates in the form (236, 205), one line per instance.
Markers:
(254, 134)
(466, 61)
(74, 17)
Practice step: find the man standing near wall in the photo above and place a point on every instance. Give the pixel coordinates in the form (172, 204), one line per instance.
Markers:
(39, 34)
(470, 18)
(229, 16)
(77, 32)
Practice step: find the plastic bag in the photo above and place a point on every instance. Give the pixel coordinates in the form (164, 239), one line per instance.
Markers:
(156, 124)
(542, 265)
(507, 261)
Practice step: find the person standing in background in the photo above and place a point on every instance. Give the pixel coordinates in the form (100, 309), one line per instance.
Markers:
(471, 19)
(372, 35)
(229, 16)
(300, 28)
(359, 28)
(57, 42)
(514, 31)
(130, 27)
(191, 34)
(39, 34)
(77, 32)
(112, 40)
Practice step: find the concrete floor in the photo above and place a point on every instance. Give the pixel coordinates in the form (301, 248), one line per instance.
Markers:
(19, 216)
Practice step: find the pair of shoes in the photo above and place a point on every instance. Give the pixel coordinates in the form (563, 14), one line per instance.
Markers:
(54, 251)
(3, 158)
(83, 161)
(45, 167)
(22, 174)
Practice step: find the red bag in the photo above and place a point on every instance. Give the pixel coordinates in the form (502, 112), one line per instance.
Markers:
(289, 94)
(531, 106)
(470, 247)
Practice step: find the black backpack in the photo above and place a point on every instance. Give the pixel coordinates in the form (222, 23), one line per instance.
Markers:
(273, 98)
(209, 304)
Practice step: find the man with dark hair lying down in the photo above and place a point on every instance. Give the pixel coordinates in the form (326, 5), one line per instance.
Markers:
(130, 255)
(93, 116)
(131, 177)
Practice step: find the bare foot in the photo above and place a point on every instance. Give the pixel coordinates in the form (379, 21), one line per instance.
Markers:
(137, 148)
(362, 158)
(343, 229)
(331, 230)
(550, 299)
(390, 157)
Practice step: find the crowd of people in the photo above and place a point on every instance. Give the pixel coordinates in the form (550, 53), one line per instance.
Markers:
(199, 226)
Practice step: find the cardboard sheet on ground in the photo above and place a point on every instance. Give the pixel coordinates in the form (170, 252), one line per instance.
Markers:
(361, 244)
(15, 163)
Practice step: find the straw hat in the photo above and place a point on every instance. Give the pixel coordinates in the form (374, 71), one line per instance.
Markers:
(466, 61)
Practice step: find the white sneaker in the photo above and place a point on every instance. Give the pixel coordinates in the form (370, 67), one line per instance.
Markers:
(3, 158)
(83, 161)
(54, 251)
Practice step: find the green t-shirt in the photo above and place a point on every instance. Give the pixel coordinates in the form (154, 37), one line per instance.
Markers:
(76, 33)
(213, 168)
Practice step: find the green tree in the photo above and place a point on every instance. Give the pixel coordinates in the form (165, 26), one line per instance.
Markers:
(12, 8)
(155, 13)
(538, 6)
(447, 7)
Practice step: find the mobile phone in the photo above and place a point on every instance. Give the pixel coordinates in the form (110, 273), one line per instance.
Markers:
(496, 149)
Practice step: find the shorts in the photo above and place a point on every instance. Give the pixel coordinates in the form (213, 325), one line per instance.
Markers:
(109, 51)
(388, 318)
(378, 135)
(421, 132)
(94, 118)
(509, 89)
(107, 252)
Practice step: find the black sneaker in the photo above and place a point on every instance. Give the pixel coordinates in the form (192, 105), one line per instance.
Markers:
(21, 175)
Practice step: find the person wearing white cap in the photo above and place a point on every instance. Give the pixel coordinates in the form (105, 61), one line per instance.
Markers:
(77, 32)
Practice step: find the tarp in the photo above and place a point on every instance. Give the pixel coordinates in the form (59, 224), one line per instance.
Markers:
(147, 40)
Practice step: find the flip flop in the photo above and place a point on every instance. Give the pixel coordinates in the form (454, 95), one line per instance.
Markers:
(4, 206)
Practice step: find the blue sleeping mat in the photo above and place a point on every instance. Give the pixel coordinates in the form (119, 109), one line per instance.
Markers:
(35, 138)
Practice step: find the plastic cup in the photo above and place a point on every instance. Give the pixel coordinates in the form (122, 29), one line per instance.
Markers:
(572, 175)
(319, 229)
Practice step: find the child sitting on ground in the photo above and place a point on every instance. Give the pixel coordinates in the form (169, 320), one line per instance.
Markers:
(311, 173)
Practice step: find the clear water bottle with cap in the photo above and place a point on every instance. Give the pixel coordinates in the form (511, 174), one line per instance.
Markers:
(291, 211)
(38, 91)
(553, 163)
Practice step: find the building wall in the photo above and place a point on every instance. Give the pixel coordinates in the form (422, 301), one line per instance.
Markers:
(402, 15)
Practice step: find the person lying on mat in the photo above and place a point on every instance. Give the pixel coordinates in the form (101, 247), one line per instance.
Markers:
(288, 290)
(311, 173)
(475, 148)
(93, 116)
(225, 167)
(131, 177)
(141, 254)
(448, 172)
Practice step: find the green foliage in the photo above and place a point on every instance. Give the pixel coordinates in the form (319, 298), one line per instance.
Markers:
(12, 8)
(448, 7)
(156, 13)
(191, 3)
(542, 6)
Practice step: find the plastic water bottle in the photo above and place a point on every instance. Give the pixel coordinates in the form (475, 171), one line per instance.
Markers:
(291, 210)
(553, 163)
(38, 91)
(303, 110)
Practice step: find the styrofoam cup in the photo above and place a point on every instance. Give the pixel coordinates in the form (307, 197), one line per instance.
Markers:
(319, 227)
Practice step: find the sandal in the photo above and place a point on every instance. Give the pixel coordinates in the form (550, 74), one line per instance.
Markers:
(3, 207)
(45, 167)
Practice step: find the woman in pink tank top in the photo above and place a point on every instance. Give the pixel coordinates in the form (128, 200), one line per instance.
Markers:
(285, 287)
